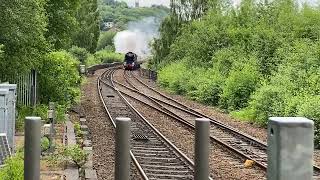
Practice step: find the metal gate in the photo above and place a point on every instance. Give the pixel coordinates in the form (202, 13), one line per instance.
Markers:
(26, 88)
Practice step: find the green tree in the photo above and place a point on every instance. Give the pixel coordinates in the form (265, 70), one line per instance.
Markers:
(88, 18)
(62, 22)
(106, 39)
(22, 28)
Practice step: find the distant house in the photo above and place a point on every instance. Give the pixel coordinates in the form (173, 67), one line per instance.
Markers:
(137, 4)
(107, 25)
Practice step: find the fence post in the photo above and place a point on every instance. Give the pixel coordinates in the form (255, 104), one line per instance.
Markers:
(32, 148)
(122, 161)
(290, 148)
(202, 142)
(51, 117)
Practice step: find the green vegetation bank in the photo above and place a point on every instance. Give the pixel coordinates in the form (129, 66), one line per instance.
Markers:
(255, 61)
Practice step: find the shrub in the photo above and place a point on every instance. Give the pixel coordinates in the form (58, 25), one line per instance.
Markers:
(105, 56)
(310, 108)
(45, 143)
(266, 102)
(91, 60)
(13, 169)
(76, 155)
(23, 111)
(59, 78)
(205, 86)
(41, 110)
(174, 77)
(80, 53)
(60, 113)
(238, 87)
(77, 129)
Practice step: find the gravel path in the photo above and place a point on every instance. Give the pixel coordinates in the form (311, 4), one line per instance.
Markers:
(101, 130)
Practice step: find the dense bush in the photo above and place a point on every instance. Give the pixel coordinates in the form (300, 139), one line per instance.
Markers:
(80, 53)
(259, 60)
(238, 87)
(105, 56)
(59, 78)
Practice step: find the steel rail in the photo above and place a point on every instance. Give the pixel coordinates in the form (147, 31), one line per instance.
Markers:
(187, 123)
(111, 85)
(194, 112)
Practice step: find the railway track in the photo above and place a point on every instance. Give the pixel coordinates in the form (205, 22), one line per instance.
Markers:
(236, 141)
(154, 156)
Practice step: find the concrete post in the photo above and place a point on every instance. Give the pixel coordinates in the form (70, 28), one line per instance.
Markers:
(82, 69)
(52, 115)
(52, 131)
(202, 142)
(122, 161)
(32, 148)
(52, 106)
(290, 148)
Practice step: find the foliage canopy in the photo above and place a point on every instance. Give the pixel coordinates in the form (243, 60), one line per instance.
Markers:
(257, 60)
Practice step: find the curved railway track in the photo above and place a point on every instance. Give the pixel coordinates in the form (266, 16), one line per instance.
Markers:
(154, 156)
(234, 140)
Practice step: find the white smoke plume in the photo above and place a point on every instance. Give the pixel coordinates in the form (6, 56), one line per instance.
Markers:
(138, 36)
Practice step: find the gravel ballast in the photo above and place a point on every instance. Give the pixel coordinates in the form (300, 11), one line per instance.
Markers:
(101, 130)
(213, 112)
(223, 164)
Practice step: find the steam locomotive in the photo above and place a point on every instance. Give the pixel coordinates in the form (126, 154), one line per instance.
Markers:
(131, 61)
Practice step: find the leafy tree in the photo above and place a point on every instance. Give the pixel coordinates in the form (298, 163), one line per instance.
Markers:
(62, 23)
(257, 60)
(80, 53)
(88, 18)
(106, 39)
(22, 28)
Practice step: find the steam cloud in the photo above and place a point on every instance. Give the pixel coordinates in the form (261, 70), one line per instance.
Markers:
(138, 36)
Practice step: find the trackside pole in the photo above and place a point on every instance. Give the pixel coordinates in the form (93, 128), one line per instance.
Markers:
(122, 161)
(202, 142)
(290, 148)
(52, 119)
(32, 148)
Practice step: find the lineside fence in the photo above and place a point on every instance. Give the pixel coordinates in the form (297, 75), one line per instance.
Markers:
(27, 87)
(149, 74)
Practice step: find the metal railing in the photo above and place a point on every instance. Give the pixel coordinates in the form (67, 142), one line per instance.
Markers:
(26, 87)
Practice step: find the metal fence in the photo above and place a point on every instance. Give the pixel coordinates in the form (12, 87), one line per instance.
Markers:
(26, 87)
